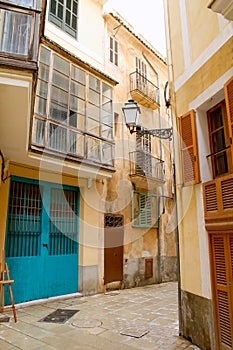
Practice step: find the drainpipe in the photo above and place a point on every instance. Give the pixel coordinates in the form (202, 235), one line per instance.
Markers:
(170, 76)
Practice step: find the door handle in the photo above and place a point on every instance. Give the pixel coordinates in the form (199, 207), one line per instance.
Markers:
(45, 245)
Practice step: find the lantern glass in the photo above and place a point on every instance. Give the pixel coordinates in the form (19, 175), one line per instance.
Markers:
(131, 112)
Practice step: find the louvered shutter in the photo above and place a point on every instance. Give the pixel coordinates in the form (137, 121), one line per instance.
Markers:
(229, 105)
(189, 150)
(222, 253)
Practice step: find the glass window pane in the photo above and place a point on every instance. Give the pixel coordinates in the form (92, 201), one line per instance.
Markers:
(60, 11)
(94, 83)
(78, 74)
(93, 149)
(75, 7)
(61, 65)
(93, 126)
(68, 4)
(40, 106)
(58, 113)
(15, 36)
(78, 89)
(76, 143)
(59, 96)
(60, 80)
(94, 97)
(45, 55)
(107, 156)
(43, 72)
(57, 137)
(38, 132)
(93, 112)
(77, 120)
(68, 17)
(107, 90)
(106, 132)
(53, 6)
(42, 88)
(107, 104)
(77, 104)
(107, 118)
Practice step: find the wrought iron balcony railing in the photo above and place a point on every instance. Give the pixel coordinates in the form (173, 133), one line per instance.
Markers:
(144, 164)
(144, 91)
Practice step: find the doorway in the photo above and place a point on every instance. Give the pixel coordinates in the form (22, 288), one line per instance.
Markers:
(113, 248)
(41, 246)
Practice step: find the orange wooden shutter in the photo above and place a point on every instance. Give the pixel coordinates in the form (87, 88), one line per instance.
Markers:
(189, 150)
(228, 87)
(222, 254)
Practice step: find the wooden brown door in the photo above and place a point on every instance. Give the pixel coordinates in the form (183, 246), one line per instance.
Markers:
(113, 248)
(222, 263)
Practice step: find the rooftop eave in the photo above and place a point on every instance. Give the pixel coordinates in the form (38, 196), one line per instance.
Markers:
(225, 7)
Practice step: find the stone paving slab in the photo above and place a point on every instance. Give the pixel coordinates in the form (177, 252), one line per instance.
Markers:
(144, 318)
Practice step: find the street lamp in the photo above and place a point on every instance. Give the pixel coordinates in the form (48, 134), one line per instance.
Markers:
(131, 112)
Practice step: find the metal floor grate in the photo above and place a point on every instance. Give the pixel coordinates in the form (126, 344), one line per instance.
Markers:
(59, 316)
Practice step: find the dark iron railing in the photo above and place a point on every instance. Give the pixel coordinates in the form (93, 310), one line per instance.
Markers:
(147, 88)
(144, 164)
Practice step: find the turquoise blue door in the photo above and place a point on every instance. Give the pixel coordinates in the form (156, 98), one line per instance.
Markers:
(42, 239)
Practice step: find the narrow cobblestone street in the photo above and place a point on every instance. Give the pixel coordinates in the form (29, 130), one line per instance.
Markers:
(143, 318)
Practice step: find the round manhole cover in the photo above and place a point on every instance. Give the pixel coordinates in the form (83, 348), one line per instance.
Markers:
(87, 323)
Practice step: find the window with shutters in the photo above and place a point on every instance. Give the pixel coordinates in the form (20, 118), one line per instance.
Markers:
(144, 209)
(219, 140)
(141, 68)
(113, 50)
(220, 124)
(189, 151)
(64, 14)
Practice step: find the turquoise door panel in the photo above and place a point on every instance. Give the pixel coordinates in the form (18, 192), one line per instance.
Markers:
(42, 239)
(62, 279)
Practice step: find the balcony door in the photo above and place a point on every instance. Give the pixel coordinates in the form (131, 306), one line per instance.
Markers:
(143, 155)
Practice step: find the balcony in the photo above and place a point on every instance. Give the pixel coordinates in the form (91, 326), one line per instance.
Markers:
(144, 167)
(144, 91)
(218, 200)
(19, 34)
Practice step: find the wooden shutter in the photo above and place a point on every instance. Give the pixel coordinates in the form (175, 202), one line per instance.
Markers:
(189, 150)
(222, 253)
(228, 88)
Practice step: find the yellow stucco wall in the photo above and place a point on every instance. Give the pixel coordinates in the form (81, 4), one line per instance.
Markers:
(176, 38)
(208, 73)
(203, 26)
(189, 241)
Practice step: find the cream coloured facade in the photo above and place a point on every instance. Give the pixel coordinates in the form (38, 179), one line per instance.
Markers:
(200, 61)
(83, 202)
